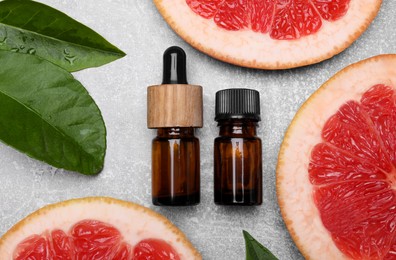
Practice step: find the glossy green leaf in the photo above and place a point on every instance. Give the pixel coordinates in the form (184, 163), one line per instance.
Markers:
(34, 28)
(47, 114)
(255, 250)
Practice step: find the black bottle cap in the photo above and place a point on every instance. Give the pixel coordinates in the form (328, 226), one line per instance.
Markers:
(174, 66)
(238, 103)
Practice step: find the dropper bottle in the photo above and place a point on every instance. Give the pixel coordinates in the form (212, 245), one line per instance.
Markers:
(175, 109)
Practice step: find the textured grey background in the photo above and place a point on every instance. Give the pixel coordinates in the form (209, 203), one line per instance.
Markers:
(120, 91)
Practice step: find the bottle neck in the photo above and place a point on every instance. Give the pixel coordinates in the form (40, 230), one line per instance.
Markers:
(238, 127)
(176, 132)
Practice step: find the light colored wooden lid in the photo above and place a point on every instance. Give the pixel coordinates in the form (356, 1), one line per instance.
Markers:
(174, 105)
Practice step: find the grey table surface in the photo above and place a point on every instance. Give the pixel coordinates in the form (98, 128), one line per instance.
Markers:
(119, 89)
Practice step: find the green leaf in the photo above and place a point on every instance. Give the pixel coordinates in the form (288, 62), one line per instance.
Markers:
(255, 250)
(34, 28)
(47, 114)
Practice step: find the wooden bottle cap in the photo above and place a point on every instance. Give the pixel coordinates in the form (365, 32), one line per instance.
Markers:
(174, 105)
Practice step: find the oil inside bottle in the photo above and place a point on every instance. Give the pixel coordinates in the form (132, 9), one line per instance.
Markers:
(238, 168)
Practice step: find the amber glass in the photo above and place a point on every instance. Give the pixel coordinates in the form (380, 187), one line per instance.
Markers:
(175, 167)
(238, 164)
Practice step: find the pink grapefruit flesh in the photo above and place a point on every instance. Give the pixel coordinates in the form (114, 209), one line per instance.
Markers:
(284, 20)
(95, 229)
(336, 175)
(90, 239)
(154, 249)
(353, 176)
(269, 34)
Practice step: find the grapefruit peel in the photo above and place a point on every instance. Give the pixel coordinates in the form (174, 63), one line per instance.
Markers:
(294, 189)
(135, 223)
(257, 50)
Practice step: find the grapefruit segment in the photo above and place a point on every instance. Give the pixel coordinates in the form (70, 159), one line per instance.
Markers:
(294, 19)
(261, 15)
(95, 229)
(380, 104)
(95, 240)
(62, 246)
(205, 8)
(34, 247)
(330, 165)
(231, 15)
(154, 249)
(269, 34)
(331, 10)
(336, 173)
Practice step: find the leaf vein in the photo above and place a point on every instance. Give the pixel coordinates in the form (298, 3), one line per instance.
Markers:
(31, 18)
(9, 12)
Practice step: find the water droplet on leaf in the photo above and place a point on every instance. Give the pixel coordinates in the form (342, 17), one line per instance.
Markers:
(31, 51)
(70, 59)
(3, 40)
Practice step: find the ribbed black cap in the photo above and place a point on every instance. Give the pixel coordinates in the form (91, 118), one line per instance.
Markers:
(238, 103)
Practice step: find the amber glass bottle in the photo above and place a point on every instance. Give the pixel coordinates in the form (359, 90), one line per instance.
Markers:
(238, 150)
(175, 109)
(176, 167)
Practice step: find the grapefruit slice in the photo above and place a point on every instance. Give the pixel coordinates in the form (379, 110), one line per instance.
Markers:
(269, 34)
(336, 173)
(96, 228)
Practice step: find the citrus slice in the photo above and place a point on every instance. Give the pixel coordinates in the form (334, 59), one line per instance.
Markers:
(269, 34)
(96, 228)
(336, 174)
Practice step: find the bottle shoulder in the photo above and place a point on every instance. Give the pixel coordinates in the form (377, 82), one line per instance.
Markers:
(178, 139)
(229, 139)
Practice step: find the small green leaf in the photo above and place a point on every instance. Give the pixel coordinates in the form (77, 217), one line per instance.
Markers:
(255, 250)
(34, 28)
(47, 114)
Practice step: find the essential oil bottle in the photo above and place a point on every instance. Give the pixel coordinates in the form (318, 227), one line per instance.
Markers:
(175, 110)
(237, 150)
